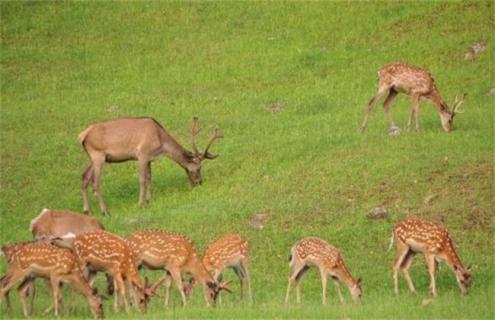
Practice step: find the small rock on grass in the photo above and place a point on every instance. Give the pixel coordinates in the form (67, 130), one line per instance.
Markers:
(378, 213)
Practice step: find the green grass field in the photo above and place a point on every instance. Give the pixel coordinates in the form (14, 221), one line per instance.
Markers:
(65, 65)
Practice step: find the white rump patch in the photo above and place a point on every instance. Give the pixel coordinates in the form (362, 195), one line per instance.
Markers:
(68, 235)
(33, 222)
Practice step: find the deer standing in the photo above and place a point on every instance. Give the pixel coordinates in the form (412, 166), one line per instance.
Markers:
(56, 264)
(103, 251)
(141, 139)
(175, 254)
(415, 235)
(397, 77)
(230, 251)
(313, 251)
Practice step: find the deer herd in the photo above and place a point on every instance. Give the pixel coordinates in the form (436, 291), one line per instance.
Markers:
(71, 248)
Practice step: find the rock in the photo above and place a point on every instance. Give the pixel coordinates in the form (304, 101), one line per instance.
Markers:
(394, 131)
(473, 51)
(429, 198)
(378, 213)
(274, 107)
(258, 220)
(491, 92)
(426, 302)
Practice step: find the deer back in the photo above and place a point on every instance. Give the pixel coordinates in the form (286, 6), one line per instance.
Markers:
(407, 79)
(225, 252)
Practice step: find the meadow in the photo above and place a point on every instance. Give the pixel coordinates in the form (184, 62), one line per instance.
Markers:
(286, 82)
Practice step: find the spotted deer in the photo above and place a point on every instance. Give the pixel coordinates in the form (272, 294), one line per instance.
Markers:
(397, 78)
(103, 251)
(230, 251)
(415, 235)
(59, 265)
(175, 254)
(141, 139)
(316, 252)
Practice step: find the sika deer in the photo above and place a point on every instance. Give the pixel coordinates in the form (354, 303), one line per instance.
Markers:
(103, 251)
(312, 251)
(141, 139)
(175, 254)
(415, 235)
(51, 262)
(415, 82)
(230, 251)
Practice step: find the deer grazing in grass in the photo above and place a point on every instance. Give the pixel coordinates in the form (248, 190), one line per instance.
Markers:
(59, 265)
(417, 83)
(312, 251)
(175, 254)
(415, 235)
(230, 251)
(103, 251)
(141, 139)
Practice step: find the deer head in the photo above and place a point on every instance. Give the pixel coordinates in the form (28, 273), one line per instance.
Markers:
(214, 289)
(447, 117)
(193, 170)
(464, 278)
(356, 291)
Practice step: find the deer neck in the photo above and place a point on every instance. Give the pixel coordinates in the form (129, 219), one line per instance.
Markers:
(198, 271)
(344, 276)
(438, 102)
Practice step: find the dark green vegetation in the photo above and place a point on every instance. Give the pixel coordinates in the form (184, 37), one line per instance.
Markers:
(307, 167)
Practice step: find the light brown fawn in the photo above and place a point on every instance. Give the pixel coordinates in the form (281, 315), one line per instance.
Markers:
(175, 254)
(141, 139)
(415, 235)
(316, 252)
(230, 251)
(418, 83)
(103, 251)
(56, 264)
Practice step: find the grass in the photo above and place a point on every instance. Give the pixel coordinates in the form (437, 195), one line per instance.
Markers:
(65, 65)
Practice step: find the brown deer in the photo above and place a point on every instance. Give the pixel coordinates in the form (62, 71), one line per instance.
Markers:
(175, 254)
(141, 139)
(103, 251)
(62, 226)
(397, 77)
(56, 264)
(415, 235)
(313, 251)
(230, 251)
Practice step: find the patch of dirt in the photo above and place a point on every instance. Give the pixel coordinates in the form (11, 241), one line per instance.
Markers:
(274, 107)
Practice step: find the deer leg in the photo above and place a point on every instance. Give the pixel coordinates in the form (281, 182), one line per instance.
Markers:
(244, 265)
(26, 289)
(371, 105)
(10, 279)
(86, 178)
(323, 275)
(98, 162)
(238, 271)
(414, 111)
(386, 108)
(430, 262)
(110, 287)
(292, 278)
(299, 278)
(54, 281)
(143, 180)
(336, 282)
(148, 178)
(406, 264)
(177, 277)
(402, 250)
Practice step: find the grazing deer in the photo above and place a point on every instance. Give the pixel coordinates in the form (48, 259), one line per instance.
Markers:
(62, 226)
(312, 251)
(141, 139)
(56, 264)
(417, 83)
(230, 251)
(175, 254)
(415, 235)
(103, 251)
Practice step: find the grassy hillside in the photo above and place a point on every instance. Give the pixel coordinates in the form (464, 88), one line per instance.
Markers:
(304, 164)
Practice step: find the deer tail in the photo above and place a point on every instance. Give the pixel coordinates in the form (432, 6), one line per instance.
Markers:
(391, 242)
(82, 136)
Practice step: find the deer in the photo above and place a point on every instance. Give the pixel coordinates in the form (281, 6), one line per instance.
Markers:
(229, 251)
(61, 228)
(414, 235)
(142, 139)
(44, 260)
(176, 254)
(103, 251)
(417, 83)
(312, 251)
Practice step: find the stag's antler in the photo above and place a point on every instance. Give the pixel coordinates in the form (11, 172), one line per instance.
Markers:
(194, 132)
(216, 134)
(457, 103)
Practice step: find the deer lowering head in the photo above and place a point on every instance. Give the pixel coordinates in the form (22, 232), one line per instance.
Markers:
(415, 235)
(175, 254)
(141, 139)
(398, 78)
(103, 251)
(56, 264)
(316, 252)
